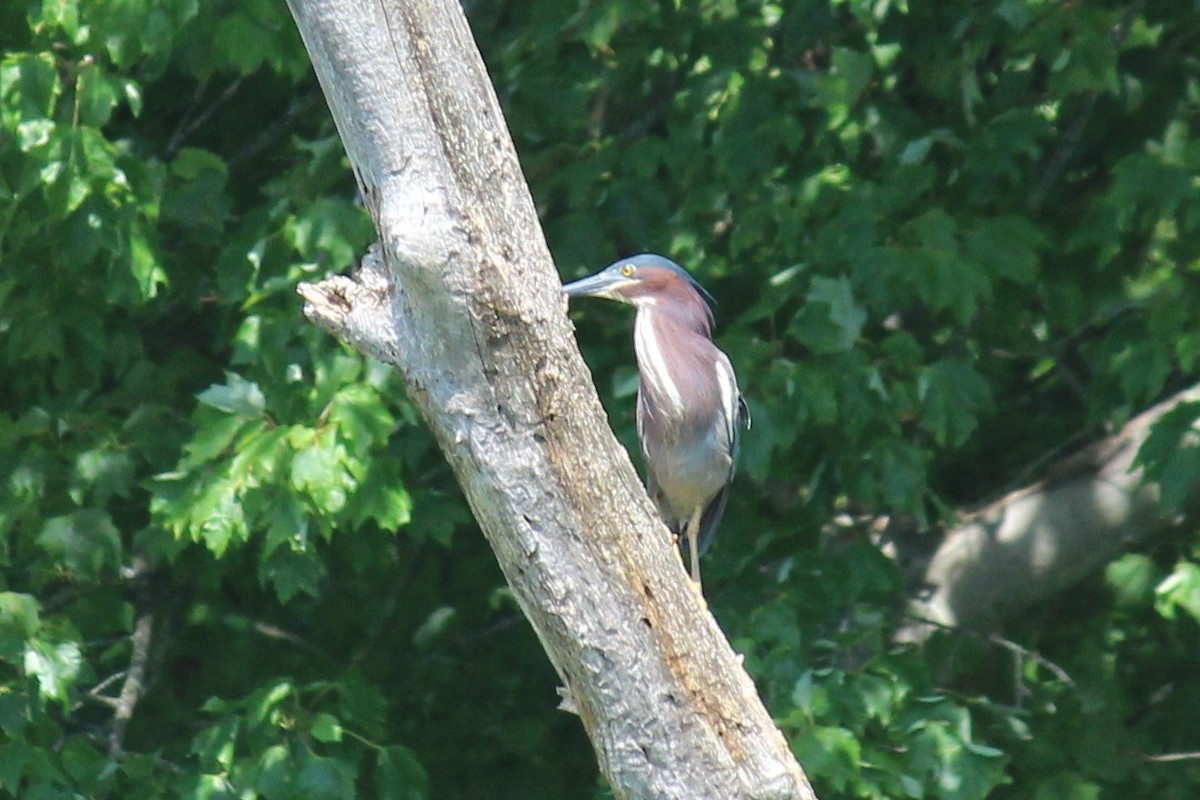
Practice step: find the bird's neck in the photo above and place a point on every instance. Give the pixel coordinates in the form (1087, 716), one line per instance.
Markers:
(691, 318)
(674, 354)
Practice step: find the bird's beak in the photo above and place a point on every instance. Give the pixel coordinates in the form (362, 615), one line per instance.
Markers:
(602, 284)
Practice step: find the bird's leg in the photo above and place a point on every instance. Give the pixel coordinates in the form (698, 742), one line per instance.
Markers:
(693, 540)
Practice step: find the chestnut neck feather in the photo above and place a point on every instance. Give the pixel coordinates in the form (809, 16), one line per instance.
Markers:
(666, 295)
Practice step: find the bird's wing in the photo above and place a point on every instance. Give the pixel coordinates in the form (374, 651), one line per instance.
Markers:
(734, 412)
(743, 421)
(735, 415)
(710, 520)
(651, 481)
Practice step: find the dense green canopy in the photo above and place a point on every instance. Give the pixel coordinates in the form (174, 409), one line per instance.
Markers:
(951, 242)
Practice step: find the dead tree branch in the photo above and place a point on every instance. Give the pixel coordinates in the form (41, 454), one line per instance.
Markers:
(135, 681)
(1045, 537)
(462, 297)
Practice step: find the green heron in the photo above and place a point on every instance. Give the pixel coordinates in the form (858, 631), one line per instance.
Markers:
(689, 409)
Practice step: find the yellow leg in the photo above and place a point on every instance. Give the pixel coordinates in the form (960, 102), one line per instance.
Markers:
(693, 540)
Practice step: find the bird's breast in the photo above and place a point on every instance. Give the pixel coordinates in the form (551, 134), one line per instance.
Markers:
(689, 469)
(684, 401)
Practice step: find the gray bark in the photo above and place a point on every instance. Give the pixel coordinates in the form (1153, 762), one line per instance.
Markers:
(1045, 537)
(461, 295)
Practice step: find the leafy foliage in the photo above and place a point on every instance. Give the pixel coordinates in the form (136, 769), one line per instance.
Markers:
(948, 240)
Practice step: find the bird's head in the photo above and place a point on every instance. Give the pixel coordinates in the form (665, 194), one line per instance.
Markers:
(642, 280)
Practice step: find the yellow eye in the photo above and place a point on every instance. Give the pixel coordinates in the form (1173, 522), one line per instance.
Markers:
(627, 270)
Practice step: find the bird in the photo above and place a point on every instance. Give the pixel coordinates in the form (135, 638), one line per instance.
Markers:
(689, 409)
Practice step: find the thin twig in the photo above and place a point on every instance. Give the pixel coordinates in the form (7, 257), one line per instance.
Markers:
(1032, 655)
(276, 130)
(180, 137)
(275, 632)
(131, 690)
(1062, 156)
(1018, 650)
(1169, 757)
(94, 693)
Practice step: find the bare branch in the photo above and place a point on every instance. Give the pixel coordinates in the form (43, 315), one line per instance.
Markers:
(187, 128)
(1023, 653)
(1019, 651)
(135, 676)
(278, 129)
(1169, 757)
(1044, 537)
(95, 694)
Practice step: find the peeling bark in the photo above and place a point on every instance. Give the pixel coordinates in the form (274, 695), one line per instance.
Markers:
(462, 297)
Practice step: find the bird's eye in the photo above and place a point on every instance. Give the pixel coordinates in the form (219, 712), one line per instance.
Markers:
(627, 270)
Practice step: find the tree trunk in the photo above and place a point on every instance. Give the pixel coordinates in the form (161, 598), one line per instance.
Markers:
(1042, 539)
(462, 297)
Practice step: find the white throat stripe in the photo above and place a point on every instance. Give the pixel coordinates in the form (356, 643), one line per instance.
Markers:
(654, 367)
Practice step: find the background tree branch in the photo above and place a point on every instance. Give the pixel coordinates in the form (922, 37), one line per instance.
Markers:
(1043, 538)
(462, 298)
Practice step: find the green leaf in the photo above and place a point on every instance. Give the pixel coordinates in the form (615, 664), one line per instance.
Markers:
(55, 665)
(19, 621)
(382, 496)
(332, 231)
(35, 133)
(86, 542)
(14, 756)
(273, 777)
(213, 439)
(841, 88)
(1133, 578)
(132, 92)
(16, 711)
(831, 320)
(262, 706)
(1008, 247)
(143, 264)
(292, 572)
(45, 791)
(216, 745)
(360, 415)
(1171, 454)
(321, 468)
(85, 765)
(1180, 591)
(103, 472)
(64, 15)
(243, 42)
(326, 728)
(196, 195)
(236, 396)
(400, 776)
(29, 86)
(96, 95)
(320, 778)
(362, 705)
(953, 395)
(834, 753)
(287, 523)
(436, 625)
(217, 517)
